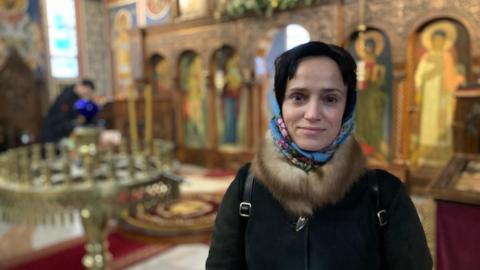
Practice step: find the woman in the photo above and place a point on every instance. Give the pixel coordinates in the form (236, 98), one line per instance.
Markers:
(313, 205)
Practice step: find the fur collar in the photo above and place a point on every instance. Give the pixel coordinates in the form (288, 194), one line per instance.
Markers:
(300, 192)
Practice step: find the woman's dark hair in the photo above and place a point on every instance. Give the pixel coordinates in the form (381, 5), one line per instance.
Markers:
(287, 63)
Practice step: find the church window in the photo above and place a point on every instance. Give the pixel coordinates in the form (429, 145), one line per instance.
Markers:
(62, 36)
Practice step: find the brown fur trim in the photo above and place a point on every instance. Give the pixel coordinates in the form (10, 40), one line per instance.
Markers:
(301, 192)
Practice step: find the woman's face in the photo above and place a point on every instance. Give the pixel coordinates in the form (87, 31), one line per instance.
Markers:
(314, 103)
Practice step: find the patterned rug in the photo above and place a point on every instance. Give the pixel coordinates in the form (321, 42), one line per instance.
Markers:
(190, 214)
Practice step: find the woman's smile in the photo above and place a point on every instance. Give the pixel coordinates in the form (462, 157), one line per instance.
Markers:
(311, 131)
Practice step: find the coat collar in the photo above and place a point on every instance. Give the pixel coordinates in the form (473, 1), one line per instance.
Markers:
(301, 192)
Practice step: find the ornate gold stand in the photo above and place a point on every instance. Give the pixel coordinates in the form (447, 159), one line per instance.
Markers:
(98, 184)
(95, 223)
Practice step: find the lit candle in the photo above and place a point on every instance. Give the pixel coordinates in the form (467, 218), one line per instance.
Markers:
(148, 116)
(132, 118)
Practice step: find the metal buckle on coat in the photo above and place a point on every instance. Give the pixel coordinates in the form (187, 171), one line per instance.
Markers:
(382, 217)
(245, 209)
(301, 222)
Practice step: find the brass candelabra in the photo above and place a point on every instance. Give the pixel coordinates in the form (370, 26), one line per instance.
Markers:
(96, 183)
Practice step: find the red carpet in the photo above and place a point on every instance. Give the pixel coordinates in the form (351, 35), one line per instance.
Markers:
(124, 251)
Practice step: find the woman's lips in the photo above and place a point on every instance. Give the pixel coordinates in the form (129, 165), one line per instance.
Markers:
(311, 130)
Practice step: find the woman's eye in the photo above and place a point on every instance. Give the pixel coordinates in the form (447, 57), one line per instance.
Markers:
(330, 99)
(297, 97)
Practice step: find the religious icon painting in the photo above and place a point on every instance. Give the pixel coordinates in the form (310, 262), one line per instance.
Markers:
(122, 20)
(127, 9)
(441, 56)
(159, 73)
(194, 100)
(230, 97)
(122, 53)
(372, 53)
(157, 11)
(21, 29)
(192, 8)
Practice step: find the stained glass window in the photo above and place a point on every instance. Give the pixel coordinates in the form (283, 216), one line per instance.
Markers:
(62, 36)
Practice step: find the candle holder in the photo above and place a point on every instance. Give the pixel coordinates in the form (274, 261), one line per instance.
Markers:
(96, 183)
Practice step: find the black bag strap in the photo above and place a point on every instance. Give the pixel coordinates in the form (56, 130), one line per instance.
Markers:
(245, 207)
(381, 212)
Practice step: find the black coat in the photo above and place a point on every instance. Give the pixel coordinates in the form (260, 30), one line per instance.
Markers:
(340, 236)
(61, 117)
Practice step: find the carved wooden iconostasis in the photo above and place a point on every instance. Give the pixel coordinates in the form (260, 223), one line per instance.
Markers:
(424, 80)
(20, 106)
(218, 71)
(22, 72)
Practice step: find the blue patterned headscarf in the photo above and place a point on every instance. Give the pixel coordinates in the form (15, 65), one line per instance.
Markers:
(306, 160)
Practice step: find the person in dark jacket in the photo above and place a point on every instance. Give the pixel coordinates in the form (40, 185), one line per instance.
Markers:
(314, 203)
(62, 117)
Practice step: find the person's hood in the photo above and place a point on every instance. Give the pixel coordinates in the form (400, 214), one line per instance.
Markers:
(301, 192)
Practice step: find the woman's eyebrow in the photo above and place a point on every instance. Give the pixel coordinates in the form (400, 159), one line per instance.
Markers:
(329, 90)
(305, 90)
(298, 89)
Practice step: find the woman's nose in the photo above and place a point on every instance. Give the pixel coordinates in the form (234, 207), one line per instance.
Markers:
(312, 111)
